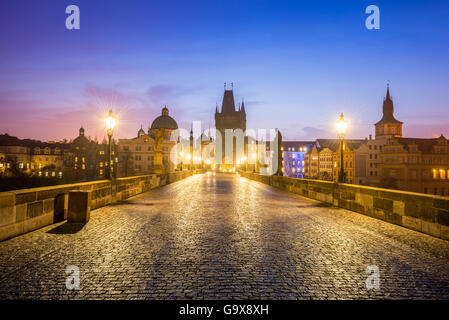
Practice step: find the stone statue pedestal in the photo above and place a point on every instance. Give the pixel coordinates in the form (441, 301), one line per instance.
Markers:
(158, 167)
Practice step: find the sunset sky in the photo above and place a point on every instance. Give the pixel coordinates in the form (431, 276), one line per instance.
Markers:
(298, 65)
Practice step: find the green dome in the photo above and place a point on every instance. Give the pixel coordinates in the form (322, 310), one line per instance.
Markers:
(164, 122)
(140, 132)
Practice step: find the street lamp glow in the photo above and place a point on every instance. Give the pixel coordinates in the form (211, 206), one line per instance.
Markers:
(110, 122)
(342, 125)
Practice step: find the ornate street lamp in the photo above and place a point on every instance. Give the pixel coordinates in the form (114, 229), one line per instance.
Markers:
(110, 124)
(342, 125)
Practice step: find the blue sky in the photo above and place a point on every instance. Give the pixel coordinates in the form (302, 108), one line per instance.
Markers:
(297, 64)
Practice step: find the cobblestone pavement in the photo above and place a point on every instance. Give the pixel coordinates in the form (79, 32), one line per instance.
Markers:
(219, 236)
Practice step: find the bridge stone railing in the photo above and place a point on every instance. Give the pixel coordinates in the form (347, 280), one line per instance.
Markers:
(420, 212)
(25, 210)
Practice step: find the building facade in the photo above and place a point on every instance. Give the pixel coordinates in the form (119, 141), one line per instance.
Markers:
(349, 160)
(418, 165)
(77, 160)
(293, 157)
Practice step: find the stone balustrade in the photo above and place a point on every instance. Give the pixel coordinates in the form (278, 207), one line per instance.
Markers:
(421, 212)
(26, 210)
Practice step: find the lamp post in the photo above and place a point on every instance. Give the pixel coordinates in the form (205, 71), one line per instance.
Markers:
(255, 159)
(181, 154)
(110, 124)
(342, 125)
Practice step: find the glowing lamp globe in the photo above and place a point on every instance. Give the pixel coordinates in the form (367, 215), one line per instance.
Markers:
(110, 122)
(342, 125)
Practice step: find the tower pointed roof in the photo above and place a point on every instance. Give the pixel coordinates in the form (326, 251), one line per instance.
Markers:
(228, 105)
(388, 109)
(243, 106)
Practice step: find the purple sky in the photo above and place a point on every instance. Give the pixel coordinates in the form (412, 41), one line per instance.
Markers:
(297, 64)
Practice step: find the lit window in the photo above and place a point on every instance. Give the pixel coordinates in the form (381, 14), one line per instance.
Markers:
(435, 176)
(442, 174)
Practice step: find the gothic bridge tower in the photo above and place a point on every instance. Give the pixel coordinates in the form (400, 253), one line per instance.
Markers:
(230, 118)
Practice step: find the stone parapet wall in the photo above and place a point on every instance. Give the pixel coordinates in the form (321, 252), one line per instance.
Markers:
(25, 210)
(421, 212)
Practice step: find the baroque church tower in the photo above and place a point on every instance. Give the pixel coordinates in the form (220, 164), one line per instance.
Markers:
(388, 126)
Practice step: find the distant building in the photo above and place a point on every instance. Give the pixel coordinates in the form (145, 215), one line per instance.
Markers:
(367, 159)
(319, 161)
(81, 159)
(350, 162)
(87, 159)
(31, 157)
(137, 155)
(293, 161)
(419, 165)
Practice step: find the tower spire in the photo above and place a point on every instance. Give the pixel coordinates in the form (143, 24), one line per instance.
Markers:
(388, 90)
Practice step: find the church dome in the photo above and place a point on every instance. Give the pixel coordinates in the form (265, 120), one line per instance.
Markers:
(164, 121)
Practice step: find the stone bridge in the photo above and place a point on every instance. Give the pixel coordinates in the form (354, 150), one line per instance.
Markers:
(223, 236)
